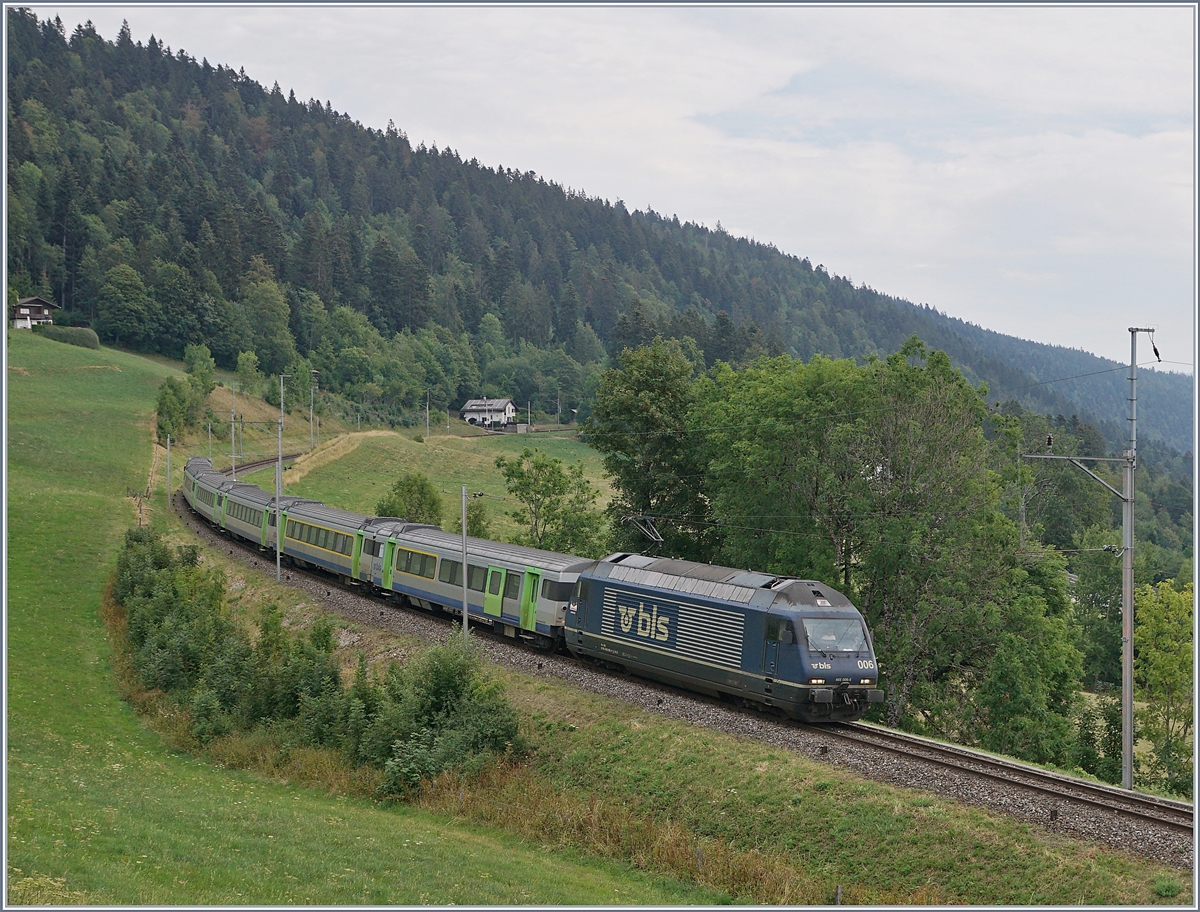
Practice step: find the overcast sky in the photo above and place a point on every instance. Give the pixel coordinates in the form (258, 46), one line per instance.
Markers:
(1029, 169)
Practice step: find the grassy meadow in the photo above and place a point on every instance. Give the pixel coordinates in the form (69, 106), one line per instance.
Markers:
(101, 810)
(355, 471)
(614, 805)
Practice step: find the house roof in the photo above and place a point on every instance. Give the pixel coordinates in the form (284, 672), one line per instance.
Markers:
(473, 405)
(25, 302)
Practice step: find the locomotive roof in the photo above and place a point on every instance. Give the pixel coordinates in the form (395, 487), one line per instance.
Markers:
(727, 583)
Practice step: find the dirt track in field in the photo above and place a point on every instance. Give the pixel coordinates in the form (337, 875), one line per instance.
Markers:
(341, 446)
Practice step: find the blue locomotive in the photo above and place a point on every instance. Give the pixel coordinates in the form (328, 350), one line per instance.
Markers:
(796, 646)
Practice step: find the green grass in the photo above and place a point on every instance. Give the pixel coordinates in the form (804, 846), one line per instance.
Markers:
(100, 810)
(358, 481)
(708, 789)
(754, 797)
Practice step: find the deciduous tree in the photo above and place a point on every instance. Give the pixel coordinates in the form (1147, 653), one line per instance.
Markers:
(414, 498)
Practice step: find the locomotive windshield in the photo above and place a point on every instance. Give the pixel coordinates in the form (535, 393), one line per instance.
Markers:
(835, 634)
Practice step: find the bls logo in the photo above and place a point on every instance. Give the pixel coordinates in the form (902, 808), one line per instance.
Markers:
(649, 624)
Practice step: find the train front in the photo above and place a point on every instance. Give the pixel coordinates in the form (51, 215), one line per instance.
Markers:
(833, 658)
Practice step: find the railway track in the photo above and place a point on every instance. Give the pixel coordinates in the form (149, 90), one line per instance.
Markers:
(1147, 825)
(1176, 815)
(259, 463)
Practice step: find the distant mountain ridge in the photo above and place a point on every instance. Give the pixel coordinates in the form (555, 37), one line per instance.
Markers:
(139, 175)
(1053, 378)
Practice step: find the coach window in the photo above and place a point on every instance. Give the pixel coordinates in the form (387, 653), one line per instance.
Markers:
(476, 577)
(451, 572)
(556, 590)
(495, 582)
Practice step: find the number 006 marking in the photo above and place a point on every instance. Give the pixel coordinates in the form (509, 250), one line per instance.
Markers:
(866, 663)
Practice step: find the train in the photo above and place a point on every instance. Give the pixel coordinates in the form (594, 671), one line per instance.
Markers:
(795, 647)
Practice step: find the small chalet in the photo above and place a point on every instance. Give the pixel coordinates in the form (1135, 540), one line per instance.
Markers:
(488, 412)
(29, 312)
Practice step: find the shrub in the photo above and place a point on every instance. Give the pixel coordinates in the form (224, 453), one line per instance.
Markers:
(441, 714)
(438, 713)
(72, 335)
(412, 497)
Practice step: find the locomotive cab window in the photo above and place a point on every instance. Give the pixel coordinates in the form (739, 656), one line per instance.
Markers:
(779, 630)
(835, 634)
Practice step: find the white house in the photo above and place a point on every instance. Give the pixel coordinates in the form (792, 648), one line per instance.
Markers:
(488, 412)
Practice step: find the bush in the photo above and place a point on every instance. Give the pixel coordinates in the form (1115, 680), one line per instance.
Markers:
(72, 335)
(437, 713)
(440, 714)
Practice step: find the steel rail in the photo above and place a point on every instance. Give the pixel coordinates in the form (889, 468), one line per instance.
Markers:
(1164, 811)
(258, 463)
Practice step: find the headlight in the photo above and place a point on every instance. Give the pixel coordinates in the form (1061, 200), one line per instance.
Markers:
(816, 680)
(866, 681)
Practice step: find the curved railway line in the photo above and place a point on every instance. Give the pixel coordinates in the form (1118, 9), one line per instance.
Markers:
(1163, 811)
(1146, 825)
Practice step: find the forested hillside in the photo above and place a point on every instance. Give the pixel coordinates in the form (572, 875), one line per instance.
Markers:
(166, 201)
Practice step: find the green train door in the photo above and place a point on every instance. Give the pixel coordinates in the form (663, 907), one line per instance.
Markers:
(356, 557)
(389, 563)
(494, 594)
(529, 597)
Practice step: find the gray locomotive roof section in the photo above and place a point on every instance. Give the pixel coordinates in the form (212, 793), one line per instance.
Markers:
(690, 585)
(727, 583)
(804, 592)
(499, 551)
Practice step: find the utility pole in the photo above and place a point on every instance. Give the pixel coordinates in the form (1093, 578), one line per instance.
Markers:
(466, 607)
(279, 490)
(168, 471)
(426, 414)
(1129, 462)
(210, 441)
(232, 429)
(312, 387)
